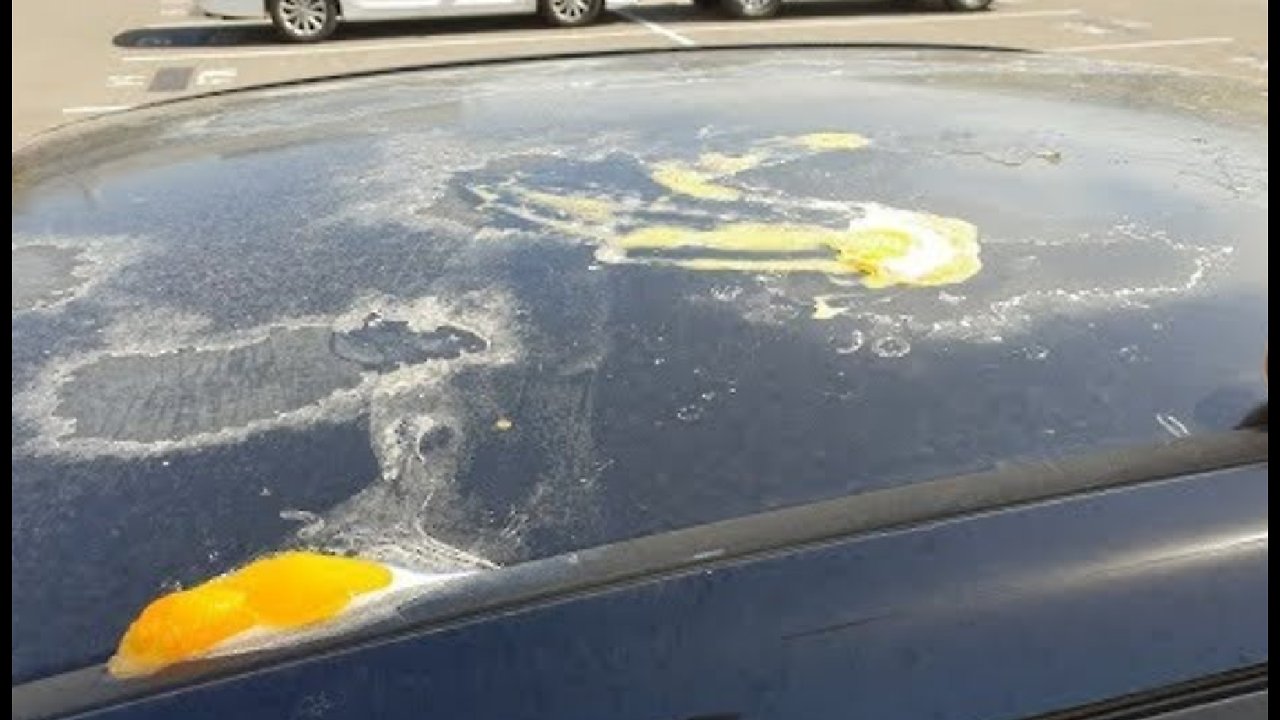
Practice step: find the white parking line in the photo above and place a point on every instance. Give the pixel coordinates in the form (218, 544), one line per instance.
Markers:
(1252, 61)
(671, 35)
(1146, 44)
(123, 81)
(216, 76)
(94, 109)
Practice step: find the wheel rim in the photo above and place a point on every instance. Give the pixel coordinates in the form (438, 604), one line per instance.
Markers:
(752, 7)
(570, 9)
(304, 17)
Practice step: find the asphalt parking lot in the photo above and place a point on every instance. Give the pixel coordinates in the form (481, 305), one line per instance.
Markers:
(74, 62)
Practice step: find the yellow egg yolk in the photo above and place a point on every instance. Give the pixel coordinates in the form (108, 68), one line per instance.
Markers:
(280, 592)
(890, 247)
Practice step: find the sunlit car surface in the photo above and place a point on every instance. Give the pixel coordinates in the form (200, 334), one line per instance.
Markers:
(930, 387)
(313, 20)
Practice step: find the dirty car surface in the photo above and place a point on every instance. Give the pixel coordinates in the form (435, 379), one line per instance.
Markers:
(472, 318)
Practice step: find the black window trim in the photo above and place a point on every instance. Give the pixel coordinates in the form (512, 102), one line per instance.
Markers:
(1184, 696)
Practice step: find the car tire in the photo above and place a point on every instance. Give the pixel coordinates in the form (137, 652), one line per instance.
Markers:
(570, 13)
(303, 21)
(707, 5)
(751, 9)
(967, 5)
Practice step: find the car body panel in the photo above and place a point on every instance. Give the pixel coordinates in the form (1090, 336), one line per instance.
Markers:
(374, 10)
(326, 315)
(367, 10)
(233, 8)
(1012, 613)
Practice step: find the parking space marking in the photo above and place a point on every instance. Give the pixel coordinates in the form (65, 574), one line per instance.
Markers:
(541, 37)
(94, 109)
(215, 76)
(654, 27)
(1146, 44)
(124, 81)
(1255, 62)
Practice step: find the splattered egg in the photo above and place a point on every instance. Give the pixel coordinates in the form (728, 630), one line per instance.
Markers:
(268, 600)
(752, 229)
(886, 246)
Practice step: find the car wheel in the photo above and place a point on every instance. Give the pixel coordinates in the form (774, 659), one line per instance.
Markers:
(752, 9)
(570, 13)
(968, 5)
(304, 20)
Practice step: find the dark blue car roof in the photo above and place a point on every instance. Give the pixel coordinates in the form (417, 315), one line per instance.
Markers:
(392, 316)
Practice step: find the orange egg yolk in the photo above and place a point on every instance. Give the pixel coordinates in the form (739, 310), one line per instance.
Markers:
(281, 592)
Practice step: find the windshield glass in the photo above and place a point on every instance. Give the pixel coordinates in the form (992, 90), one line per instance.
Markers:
(466, 317)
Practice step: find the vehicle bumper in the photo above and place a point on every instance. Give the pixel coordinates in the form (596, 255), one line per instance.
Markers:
(233, 8)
